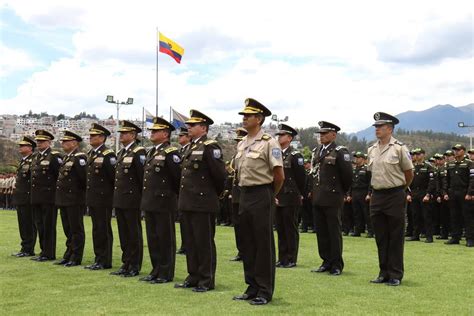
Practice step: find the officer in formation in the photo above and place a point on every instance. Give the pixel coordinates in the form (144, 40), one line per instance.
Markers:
(307, 222)
(184, 141)
(235, 196)
(44, 173)
(289, 199)
(458, 190)
(202, 182)
(71, 198)
(160, 200)
(259, 168)
(440, 205)
(422, 190)
(359, 195)
(127, 199)
(332, 172)
(22, 198)
(99, 195)
(7, 184)
(392, 173)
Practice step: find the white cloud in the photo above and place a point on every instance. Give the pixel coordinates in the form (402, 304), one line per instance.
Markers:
(14, 60)
(308, 60)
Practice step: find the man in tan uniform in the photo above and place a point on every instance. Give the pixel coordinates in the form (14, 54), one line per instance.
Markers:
(259, 168)
(392, 172)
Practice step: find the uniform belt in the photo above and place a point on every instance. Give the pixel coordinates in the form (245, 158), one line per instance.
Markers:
(389, 190)
(255, 187)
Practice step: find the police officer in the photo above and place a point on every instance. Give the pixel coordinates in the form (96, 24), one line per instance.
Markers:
(359, 196)
(99, 195)
(332, 171)
(261, 176)
(289, 199)
(422, 191)
(235, 196)
(202, 181)
(22, 198)
(44, 173)
(392, 172)
(441, 204)
(160, 201)
(458, 190)
(307, 222)
(71, 198)
(470, 152)
(127, 198)
(184, 141)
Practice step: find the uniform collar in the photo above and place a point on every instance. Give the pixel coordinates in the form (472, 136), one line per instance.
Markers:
(98, 148)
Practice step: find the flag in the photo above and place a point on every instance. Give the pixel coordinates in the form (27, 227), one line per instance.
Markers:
(171, 48)
(178, 119)
(148, 117)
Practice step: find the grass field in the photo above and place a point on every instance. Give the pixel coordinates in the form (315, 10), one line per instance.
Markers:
(439, 279)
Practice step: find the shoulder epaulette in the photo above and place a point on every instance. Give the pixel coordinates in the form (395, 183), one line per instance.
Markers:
(295, 152)
(138, 148)
(210, 141)
(55, 152)
(340, 147)
(79, 154)
(266, 137)
(399, 143)
(107, 152)
(170, 149)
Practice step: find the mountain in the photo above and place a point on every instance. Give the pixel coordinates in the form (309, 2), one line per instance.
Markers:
(440, 118)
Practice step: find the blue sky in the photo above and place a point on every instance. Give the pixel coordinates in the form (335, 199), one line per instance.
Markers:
(339, 61)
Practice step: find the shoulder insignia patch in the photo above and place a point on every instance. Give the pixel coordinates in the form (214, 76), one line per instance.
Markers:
(210, 141)
(266, 137)
(170, 149)
(138, 148)
(107, 152)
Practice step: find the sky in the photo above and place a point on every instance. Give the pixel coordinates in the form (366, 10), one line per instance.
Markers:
(339, 61)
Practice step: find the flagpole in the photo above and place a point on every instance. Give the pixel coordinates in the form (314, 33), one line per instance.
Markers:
(143, 120)
(170, 115)
(157, 52)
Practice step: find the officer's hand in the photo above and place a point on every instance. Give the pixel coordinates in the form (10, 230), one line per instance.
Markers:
(277, 202)
(409, 198)
(309, 195)
(438, 199)
(348, 199)
(446, 197)
(467, 197)
(367, 198)
(426, 198)
(230, 196)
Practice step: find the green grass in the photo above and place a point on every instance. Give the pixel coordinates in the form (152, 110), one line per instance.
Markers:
(439, 279)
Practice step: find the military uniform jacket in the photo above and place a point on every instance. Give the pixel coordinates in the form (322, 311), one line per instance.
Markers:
(100, 177)
(332, 174)
(424, 181)
(459, 177)
(203, 177)
(293, 186)
(161, 179)
(44, 173)
(360, 180)
(440, 174)
(71, 183)
(129, 177)
(22, 191)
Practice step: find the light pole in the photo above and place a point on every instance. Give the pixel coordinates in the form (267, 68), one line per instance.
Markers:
(276, 119)
(110, 99)
(462, 125)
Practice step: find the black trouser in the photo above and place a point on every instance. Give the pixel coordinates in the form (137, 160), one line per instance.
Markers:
(288, 235)
(347, 218)
(444, 218)
(181, 231)
(307, 215)
(102, 235)
(387, 211)
(72, 218)
(26, 226)
(422, 216)
(409, 220)
(328, 232)
(236, 222)
(361, 212)
(161, 237)
(201, 260)
(258, 245)
(461, 210)
(131, 238)
(46, 216)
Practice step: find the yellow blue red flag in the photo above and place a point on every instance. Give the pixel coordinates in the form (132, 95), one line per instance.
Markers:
(171, 48)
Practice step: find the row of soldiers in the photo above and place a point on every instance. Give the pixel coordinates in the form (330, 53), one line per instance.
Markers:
(268, 180)
(7, 183)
